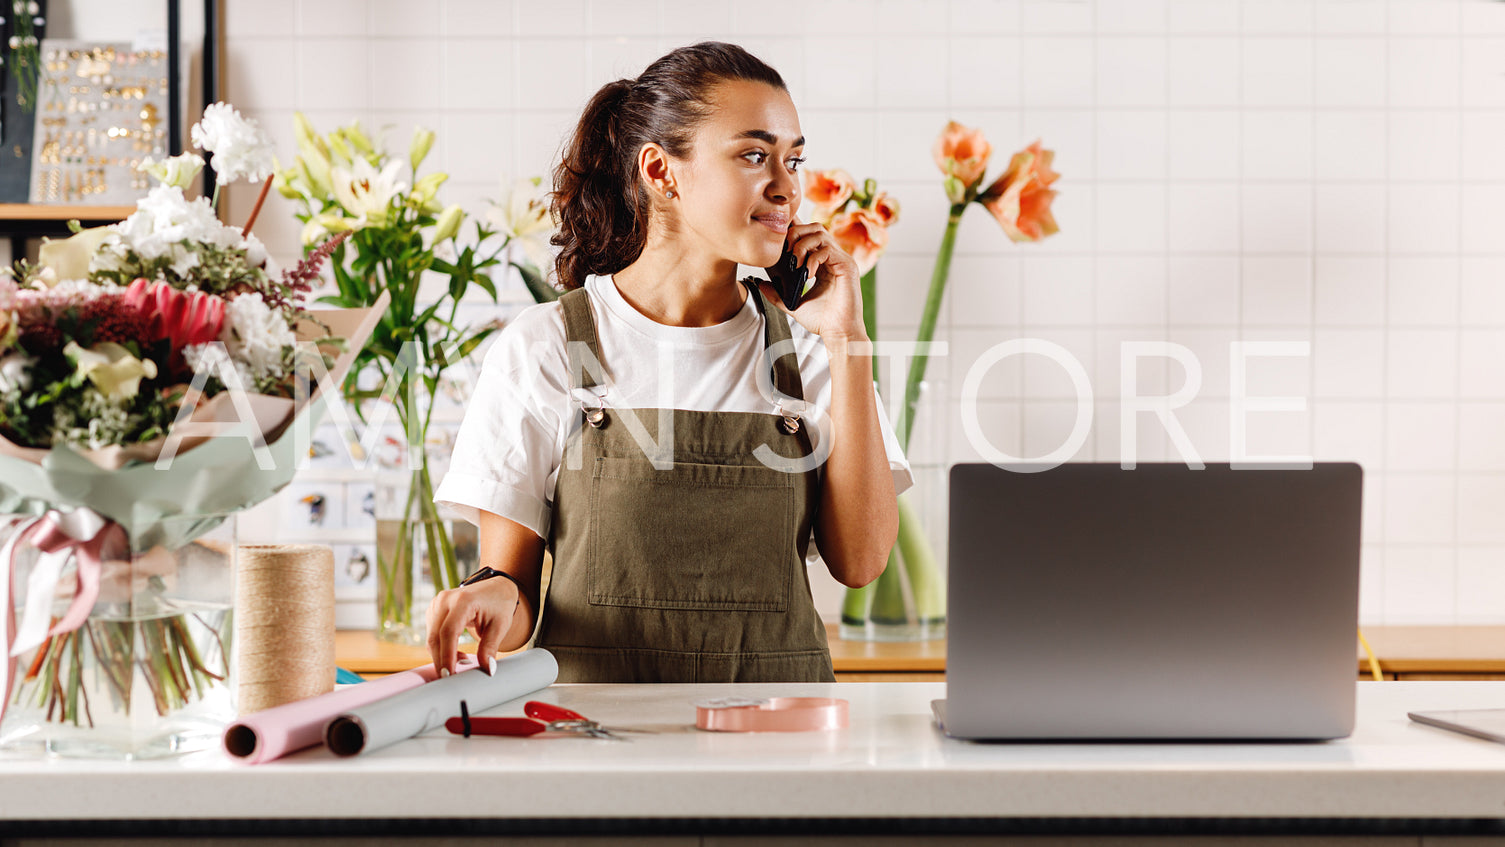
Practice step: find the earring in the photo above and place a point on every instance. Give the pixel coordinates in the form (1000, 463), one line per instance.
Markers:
(669, 194)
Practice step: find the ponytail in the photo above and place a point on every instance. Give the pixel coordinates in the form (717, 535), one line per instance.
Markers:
(597, 206)
(600, 203)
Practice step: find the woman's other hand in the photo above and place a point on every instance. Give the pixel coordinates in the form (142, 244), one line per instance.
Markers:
(486, 607)
(832, 308)
(496, 610)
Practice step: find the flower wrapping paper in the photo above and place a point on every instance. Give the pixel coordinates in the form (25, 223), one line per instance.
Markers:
(215, 471)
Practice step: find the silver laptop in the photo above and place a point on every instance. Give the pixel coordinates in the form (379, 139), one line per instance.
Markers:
(1091, 602)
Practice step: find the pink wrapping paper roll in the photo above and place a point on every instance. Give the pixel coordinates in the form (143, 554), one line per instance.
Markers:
(273, 733)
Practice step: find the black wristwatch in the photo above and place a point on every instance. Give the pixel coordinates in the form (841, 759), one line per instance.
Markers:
(486, 573)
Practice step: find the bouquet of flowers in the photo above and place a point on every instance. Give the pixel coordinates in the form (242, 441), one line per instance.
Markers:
(151, 372)
(399, 233)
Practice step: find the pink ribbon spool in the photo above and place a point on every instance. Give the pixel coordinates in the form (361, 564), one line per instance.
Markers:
(772, 714)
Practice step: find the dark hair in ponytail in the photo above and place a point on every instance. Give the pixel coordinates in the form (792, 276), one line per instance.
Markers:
(598, 200)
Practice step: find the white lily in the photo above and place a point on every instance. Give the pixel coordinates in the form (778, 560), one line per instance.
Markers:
(364, 192)
(523, 216)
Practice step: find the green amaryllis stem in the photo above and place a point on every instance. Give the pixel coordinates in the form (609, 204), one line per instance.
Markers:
(912, 559)
(870, 310)
(857, 602)
(928, 318)
(920, 566)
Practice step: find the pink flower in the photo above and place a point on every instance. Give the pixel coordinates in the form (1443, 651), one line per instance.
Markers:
(828, 190)
(962, 154)
(862, 234)
(182, 317)
(1021, 198)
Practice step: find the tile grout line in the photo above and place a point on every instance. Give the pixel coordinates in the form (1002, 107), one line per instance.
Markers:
(1019, 414)
(1384, 282)
(1312, 348)
(1165, 303)
(1458, 348)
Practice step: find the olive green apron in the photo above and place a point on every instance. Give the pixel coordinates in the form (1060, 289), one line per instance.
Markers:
(692, 571)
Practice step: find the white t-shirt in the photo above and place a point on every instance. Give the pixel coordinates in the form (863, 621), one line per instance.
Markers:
(511, 444)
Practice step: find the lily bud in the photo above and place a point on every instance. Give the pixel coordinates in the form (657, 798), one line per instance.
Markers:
(449, 224)
(339, 150)
(357, 138)
(418, 149)
(427, 186)
(316, 172)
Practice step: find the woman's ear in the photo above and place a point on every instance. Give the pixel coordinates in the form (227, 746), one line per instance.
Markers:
(656, 169)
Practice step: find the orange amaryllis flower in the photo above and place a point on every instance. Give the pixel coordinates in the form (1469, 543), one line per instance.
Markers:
(862, 234)
(1020, 199)
(962, 155)
(887, 208)
(828, 190)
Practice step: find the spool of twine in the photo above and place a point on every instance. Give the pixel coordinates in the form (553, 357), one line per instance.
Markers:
(284, 624)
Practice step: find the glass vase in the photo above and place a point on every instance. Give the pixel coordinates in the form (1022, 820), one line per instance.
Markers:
(419, 552)
(908, 601)
(148, 673)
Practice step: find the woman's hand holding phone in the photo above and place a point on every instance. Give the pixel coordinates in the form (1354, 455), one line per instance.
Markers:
(832, 307)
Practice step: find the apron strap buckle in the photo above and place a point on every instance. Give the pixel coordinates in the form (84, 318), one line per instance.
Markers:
(594, 415)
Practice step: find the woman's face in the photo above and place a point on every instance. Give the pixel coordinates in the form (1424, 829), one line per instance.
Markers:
(738, 191)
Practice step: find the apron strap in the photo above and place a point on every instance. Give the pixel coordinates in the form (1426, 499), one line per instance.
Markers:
(579, 326)
(786, 370)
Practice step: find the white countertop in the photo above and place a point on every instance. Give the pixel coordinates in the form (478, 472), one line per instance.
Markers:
(891, 762)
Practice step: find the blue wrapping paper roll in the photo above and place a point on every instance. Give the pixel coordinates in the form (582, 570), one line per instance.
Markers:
(426, 707)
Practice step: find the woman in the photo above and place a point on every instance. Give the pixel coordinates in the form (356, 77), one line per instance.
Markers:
(633, 428)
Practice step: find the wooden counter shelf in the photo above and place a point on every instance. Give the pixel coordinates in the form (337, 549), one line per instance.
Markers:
(47, 212)
(1404, 652)
(855, 661)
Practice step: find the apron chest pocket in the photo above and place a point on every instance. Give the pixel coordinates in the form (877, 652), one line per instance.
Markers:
(698, 536)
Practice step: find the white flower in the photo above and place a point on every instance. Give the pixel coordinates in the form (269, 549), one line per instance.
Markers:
(15, 372)
(210, 358)
(256, 252)
(256, 336)
(523, 216)
(163, 220)
(177, 171)
(241, 148)
(165, 217)
(314, 233)
(114, 371)
(364, 192)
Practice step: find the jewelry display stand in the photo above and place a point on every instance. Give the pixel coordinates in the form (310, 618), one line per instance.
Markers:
(102, 108)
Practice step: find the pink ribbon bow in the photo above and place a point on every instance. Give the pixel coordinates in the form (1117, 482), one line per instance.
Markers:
(81, 534)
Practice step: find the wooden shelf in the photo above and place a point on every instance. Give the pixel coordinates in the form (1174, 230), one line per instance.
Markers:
(45, 212)
(1404, 652)
(359, 651)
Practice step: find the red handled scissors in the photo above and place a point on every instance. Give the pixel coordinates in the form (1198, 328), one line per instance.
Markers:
(541, 717)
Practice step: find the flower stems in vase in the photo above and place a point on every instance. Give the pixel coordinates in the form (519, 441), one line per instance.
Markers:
(910, 591)
(908, 599)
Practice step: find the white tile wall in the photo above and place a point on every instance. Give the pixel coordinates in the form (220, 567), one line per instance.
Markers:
(1324, 171)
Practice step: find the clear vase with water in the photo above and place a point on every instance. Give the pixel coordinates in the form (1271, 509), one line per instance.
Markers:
(148, 673)
(420, 550)
(908, 601)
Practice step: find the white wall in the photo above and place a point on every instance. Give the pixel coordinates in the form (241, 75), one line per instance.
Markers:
(1320, 171)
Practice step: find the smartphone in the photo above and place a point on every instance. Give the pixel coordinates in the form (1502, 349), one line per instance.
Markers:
(788, 278)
